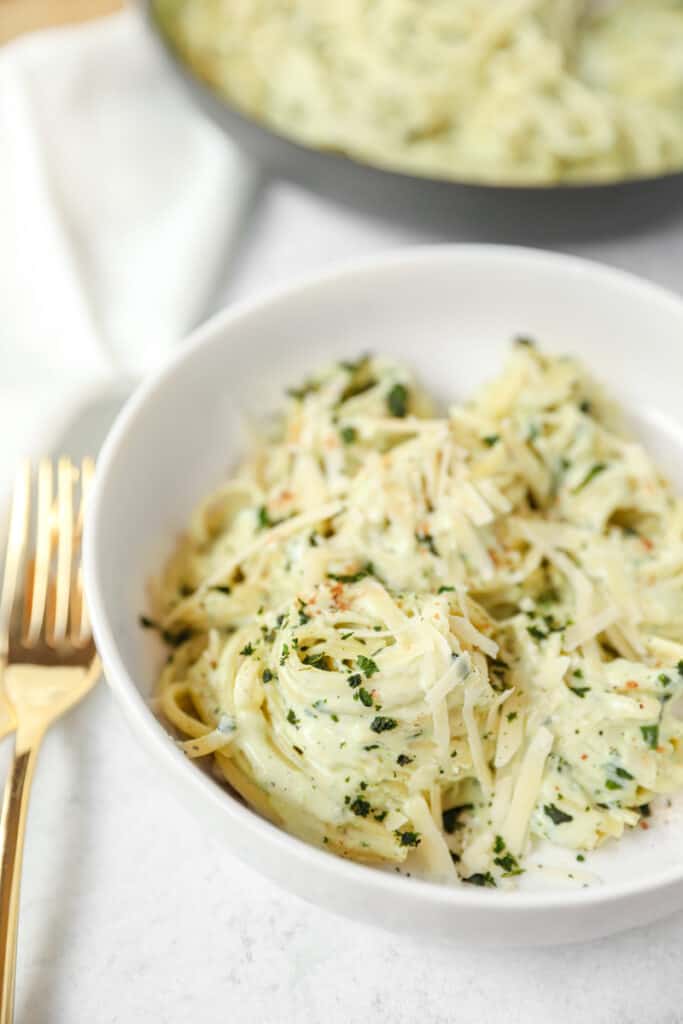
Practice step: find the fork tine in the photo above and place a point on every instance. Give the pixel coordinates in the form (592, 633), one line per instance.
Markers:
(80, 622)
(38, 590)
(16, 545)
(65, 526)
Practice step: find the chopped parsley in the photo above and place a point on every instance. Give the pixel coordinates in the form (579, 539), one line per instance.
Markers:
(680, 668)
(445, 590)
(525, 341)
(354, 577)
(291, 718)
(408, 838)
(222, 590)
(381, 723)
(557, 816)
(499, 845)
(264, 520)
(367, 665)
(428, 541)
(355, 680)
(536, 632)
(147, 623)
(594, 471)
(363, 696)
(622, 773)
(348, 435)
(479, 878)
(650, 734)
(511, 717)
(397, 401)
(360, 807)
(664, 679)
(491, 439)
(285, 654)
(580, 691)
(267, 675)
(404, 759)
(247, 650)
(451, 818)
(508, 864)
(611, 784)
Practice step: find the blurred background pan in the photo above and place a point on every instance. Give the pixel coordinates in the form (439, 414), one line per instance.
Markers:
(485, 212)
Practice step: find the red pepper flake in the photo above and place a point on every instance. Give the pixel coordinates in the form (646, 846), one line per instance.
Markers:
(644, 825)
(493, 555)
(632, 685)
(647, 543)
(584, 757)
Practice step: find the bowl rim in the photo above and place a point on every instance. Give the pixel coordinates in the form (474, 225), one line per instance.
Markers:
(157, 739)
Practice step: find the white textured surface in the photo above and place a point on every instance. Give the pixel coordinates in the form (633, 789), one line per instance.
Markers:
(131, 915)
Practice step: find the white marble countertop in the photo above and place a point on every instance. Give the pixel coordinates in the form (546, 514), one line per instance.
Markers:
(131, 914)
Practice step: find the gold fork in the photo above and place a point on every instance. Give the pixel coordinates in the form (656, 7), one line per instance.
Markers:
(47, 658)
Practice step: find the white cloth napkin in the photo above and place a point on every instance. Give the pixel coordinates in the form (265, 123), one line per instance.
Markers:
(117, 206)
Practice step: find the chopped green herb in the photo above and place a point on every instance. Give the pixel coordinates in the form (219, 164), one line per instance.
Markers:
(404, 759)
(247, 650)
(397, 401)
(622, 773)
(680, 668)
(360, 807)
(320, 661)
(611, 784)
(364, 697)
(380, 815)
(499, 845)
(355, 577)
(536, 633)
(372, 746)
(525, 341)
(285, 654)
(175, 639)
(511, 717)
(580, 857)
(585, 406)
(335, 718)
(291, 717)
(298, 749)
(509, 864)
(481, 879)
(451, 818)
(578, 673)
(650, 734)
(264, 520)
(307, 388)
(491, 439)
(428, 541)
(580, 691)
(408, 838)
(594, 471)
(147, 623)
(645, 811)
(445, 590)
(355, 680)
(557, 816)
(381, 723)
(267, 675)
(348, 435)
(664, 679)
(222, 590)
(367, 665)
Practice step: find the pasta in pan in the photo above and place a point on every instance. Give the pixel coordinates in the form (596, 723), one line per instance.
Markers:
(504, 91)
(423, 639)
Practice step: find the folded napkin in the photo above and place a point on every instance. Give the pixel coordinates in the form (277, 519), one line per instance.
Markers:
(117, 207)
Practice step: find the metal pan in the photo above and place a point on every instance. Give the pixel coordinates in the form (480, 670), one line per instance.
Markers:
(477, 211)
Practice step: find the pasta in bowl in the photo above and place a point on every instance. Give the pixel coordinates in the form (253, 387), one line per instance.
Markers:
(429, 641)
(442, 318)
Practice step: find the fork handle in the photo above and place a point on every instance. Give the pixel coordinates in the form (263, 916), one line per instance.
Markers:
(12, 830)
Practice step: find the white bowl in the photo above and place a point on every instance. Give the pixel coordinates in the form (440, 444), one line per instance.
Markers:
(451, 312)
